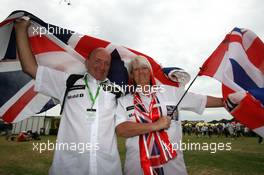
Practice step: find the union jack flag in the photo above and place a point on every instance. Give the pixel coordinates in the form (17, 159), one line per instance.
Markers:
(238, 62)
(61, 49)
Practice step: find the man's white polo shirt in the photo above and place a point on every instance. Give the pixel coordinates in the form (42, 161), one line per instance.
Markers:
(85, 145)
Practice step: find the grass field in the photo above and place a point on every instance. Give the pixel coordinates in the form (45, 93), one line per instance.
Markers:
(245, 158)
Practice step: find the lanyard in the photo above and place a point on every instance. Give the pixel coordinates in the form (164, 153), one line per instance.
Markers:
(92, 98)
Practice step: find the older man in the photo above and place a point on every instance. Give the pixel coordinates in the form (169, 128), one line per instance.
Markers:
(86, 141)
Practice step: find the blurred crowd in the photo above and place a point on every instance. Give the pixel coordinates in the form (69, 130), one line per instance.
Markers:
(229, 129)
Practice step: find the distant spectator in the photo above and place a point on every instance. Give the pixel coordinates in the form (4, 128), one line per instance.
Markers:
(246, 131)
(210, 131)
(22, 137)
(8, 130)
(260, 140)
(238, 129)
(35, 136)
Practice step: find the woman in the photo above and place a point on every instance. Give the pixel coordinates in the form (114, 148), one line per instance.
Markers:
(154, 152)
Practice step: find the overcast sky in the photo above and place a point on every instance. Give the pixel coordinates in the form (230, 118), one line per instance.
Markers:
(180, 33)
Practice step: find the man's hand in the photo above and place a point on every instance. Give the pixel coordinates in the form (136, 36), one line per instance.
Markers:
(21, 24)
(214, 102)
(234, 99)
(162, 123)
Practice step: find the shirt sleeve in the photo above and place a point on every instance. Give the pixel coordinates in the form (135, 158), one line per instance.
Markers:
(51, 82)
(120, 115)
(193, 102)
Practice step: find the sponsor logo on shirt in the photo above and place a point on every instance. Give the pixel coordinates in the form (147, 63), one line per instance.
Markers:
(131, 115)
(130, 108)
(80, 95)
(77, 87)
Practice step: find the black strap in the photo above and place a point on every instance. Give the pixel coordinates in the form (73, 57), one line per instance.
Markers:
(74, 77)
(69, 83)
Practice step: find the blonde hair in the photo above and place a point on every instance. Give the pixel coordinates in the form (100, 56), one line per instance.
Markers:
(140, 60)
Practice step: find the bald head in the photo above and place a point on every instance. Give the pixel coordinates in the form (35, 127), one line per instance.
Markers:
(98, 63)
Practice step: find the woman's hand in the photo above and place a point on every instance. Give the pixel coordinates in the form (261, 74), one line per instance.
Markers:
(162, 123)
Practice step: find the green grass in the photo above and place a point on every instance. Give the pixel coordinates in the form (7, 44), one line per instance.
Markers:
(245, 158)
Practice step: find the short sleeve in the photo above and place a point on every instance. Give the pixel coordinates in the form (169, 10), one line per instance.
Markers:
(51, 82)
(120, 115)
(193, 102)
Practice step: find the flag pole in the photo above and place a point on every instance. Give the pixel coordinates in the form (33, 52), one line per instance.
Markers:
(176, 107)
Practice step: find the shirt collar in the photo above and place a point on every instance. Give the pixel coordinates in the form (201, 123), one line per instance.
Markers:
(143, 94)
(92, 79)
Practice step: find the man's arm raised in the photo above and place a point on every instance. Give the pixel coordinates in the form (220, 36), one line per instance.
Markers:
(27, 59)
(214, 102)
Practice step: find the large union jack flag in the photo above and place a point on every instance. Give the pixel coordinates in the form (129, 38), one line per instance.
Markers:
(61, 49)
(238, 62)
